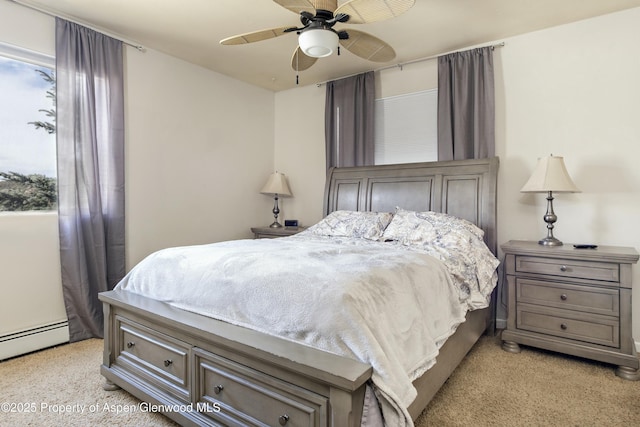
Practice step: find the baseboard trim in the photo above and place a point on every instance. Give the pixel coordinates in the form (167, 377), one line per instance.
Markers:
(28, 340)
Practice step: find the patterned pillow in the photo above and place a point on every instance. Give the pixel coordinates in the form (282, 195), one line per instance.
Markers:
(365, 225)
(456, 242)
(424, 227)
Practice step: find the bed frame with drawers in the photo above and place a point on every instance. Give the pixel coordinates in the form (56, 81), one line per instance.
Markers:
(201, 371)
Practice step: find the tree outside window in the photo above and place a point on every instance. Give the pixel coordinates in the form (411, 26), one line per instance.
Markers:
(27, 136)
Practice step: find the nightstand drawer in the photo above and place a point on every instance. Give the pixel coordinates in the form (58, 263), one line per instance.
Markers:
(569, 324)
(609, 272)
(272, 233)
(247, 397)
(590, 299)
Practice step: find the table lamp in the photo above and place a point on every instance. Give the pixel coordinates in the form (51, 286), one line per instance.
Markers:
(277, 186)
(550, 175)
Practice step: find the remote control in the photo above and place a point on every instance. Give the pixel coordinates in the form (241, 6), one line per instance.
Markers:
(585, 246)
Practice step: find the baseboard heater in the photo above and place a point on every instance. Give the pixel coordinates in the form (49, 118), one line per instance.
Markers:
(28, 340)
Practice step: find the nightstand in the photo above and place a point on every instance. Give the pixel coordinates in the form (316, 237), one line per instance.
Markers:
(271, 233)
(573, 301)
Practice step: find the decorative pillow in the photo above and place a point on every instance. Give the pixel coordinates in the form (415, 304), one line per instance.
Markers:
(366, 225)
(424, 227)
(456, 242)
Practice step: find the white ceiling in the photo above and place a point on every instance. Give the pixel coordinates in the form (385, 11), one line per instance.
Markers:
(192, 29)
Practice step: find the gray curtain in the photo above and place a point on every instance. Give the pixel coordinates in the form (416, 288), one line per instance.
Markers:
(90, 141)
(466, 105)
(349, 121)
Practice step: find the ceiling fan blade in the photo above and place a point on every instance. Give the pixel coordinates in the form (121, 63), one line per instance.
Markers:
(366, 11)
(329, 5)
(297, 6)
(368, 47)
(300, 61)
(255, 36)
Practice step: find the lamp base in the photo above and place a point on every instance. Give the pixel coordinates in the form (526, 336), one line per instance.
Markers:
(276, 211)
(550, 241)
(550, 217)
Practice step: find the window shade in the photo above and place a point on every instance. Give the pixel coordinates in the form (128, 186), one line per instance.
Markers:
(406, 128)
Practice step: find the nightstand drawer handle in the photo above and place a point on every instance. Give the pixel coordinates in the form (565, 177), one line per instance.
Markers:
(168, 363)
(283, 419)
(130, 344)
(563, 297)
(218, 389)
(563, 268)
(563, 326)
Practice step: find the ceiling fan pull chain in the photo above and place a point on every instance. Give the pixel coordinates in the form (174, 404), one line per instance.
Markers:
(297, 67)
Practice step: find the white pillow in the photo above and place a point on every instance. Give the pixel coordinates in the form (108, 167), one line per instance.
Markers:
(365, 225)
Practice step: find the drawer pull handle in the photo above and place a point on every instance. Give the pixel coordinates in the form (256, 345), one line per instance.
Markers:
(563, 297)
(130, 344)
(563, 326)
(217, 389)
(563, 268)
(168, 362)
(283, 419)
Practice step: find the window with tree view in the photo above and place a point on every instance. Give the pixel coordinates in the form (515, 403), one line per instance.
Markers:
(27, 132)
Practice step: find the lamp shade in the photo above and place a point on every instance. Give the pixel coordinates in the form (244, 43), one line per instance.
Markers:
(318, 43)
(276, 184)
(550, 174)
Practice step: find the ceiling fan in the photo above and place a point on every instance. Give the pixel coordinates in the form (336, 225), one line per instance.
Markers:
(317, 38)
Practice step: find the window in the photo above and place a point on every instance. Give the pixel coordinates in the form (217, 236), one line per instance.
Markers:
(27, 130)
(406, 128)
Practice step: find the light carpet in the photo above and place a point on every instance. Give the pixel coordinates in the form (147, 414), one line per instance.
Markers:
(62, 386)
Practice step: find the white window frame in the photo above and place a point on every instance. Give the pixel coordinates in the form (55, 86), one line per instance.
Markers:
(26, 55)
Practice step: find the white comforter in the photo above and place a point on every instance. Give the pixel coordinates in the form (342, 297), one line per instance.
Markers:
(375, 302)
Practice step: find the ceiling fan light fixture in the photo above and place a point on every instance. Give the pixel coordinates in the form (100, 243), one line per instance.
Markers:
(318, 43)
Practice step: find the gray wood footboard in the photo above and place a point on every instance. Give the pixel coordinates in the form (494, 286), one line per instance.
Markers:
(189, 363)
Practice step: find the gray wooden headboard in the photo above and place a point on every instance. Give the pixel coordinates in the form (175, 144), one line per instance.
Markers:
(464, 188)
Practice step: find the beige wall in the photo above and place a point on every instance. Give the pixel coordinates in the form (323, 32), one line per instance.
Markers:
(299, 150)
(29, 251)
(572, 91)
(29, 272)
(199, 146)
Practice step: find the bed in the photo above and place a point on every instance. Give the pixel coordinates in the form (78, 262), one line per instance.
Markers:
(201, 370)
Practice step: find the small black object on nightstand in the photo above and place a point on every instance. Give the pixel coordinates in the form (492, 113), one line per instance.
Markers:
(585, 246)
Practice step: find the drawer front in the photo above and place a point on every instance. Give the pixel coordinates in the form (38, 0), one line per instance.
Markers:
(569, 324)
(592, 299)
(605, 271)
(245, 397)
(265, 236)
(163, 360)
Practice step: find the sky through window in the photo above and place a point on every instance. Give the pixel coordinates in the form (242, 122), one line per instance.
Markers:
(23, 92)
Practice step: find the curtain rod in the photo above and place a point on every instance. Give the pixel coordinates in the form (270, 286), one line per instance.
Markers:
(400, 65)
(76, 21)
